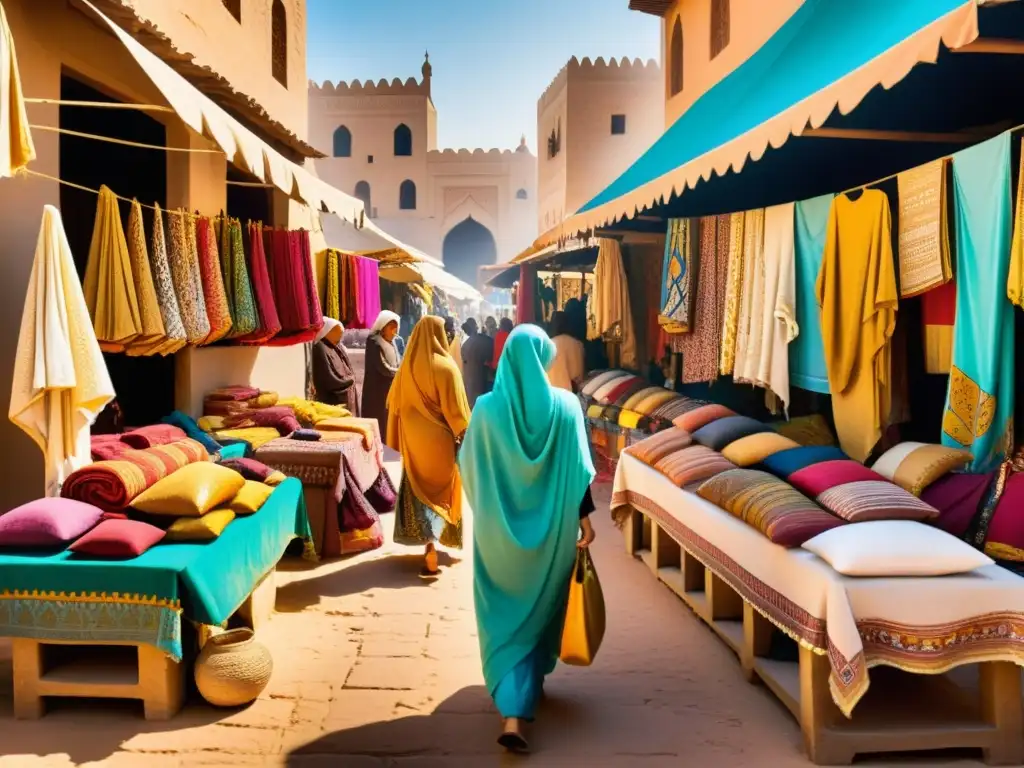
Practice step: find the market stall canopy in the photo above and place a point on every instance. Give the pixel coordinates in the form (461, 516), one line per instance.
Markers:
(242, 147)
(574, 255)
(372, 241)
(431, 274)
(827, 59)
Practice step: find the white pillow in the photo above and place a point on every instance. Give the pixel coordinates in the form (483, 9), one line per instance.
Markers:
(895, 548)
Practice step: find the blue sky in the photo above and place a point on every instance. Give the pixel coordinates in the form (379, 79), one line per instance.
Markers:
(492, 59)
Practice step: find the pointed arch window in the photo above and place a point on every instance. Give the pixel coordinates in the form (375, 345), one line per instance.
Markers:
(234, 8)
(719, 26)
(362, 191)
(279, 43)
(403, 141)
(407, 195)
(676, 59)
(342, 142)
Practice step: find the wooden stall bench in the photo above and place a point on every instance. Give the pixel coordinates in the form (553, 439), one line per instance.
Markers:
(952, 684)
(113, 629)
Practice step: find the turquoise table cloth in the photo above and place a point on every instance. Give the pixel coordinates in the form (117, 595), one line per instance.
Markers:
(64, 596)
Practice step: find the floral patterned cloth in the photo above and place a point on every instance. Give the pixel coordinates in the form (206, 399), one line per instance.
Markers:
(213, 283)
(236, 280)
(701, 347)
(187, 282)
(152, 337)
(174, 328)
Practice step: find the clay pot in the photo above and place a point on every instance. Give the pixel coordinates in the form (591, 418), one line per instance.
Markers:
(233, 669)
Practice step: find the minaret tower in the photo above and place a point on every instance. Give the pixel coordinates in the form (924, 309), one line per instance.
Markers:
(427, 71)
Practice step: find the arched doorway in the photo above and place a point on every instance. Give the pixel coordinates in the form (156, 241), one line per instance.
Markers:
(467, 246)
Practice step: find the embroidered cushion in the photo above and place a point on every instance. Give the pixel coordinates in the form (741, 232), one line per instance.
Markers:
(818, 478)
(118, 538)
(205, 528)
(653, 449)
(895, 548)
(47, 523)
(1005, 537)
(190, 491)
(721, 432)
(915, 466)
(250, 469)
(959, 499)
(762, 501)
(785, 463)
(701, 416)
(694, 464)
(753, 449)
(250, 498)
(864, 500)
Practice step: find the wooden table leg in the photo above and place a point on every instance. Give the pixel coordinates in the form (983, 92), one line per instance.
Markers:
(818, 711)
(28, 671)
(162, 682)
(633, 531)
(1001, 706)
(757, 640)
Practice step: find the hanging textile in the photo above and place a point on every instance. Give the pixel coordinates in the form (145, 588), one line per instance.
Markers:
(235, 271)
(295, 293)
(613, 316)
(923, 229)
(170, 313)
(367, 290)
(752, 298)
(526, 297)
(778, 325)
(348, 288)
(60, 382)
(187, 283)
(979, 403)
(215, 296)
(701, 347)
(938, 308)
(678, 276)
(263, 293)
(153, 337)
(856, 291)
(806, 352)
(733, 294)
(109, 286)
(16, 148)
(332, 289)
(1015, 280)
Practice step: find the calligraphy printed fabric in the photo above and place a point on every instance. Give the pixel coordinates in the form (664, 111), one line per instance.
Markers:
(923, 229)
(678, 276)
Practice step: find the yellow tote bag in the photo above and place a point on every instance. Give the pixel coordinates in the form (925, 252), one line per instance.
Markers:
(584, 616)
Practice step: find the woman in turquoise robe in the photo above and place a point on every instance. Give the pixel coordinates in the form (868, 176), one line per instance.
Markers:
(526, 471)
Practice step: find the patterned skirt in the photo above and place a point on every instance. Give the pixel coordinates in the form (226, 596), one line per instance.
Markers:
(416, 524)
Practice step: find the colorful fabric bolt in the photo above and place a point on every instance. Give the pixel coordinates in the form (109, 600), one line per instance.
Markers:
(214, 294)
(678, 276)
(807, 368)
(170, 310)
(152, 337)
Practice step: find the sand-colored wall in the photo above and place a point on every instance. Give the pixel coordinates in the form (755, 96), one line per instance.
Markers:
(584, 96)
(751, 23)
(49, 36)
(240, 52)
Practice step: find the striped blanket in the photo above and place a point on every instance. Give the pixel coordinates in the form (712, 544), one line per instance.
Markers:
(112, 485)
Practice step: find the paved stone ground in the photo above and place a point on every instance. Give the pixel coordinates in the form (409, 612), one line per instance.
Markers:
(374, 667)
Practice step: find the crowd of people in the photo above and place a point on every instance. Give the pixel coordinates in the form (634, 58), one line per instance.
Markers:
(490, 412)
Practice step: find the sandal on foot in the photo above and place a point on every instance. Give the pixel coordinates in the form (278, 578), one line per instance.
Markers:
(514, 742)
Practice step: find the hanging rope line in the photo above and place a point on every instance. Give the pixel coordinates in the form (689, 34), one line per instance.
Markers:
(102, 105)
(123, 142)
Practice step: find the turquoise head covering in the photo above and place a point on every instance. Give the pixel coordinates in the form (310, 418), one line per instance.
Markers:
(525, 466)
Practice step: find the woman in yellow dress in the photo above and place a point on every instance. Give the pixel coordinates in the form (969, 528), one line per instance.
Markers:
(428, 414)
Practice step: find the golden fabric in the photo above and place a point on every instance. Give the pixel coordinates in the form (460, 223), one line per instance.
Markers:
(109, 286)
(610, 303)
(332, 292)
(856, 291)
(427, 412)
(923, 229)
(255, 436)
(752, 298)
(153, 337)
(60, 382)
(1015, 281)
(185, 273)
(309, 412)
(733, 293)
(16, 149)
(340, 428)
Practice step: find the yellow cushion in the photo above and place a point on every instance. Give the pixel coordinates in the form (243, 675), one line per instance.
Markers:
(205, 528)
(629, 419)
(255, 436)
(190, 491)
(275, 478)
(753, 449)
(211, 423)
(250, 497)
(654, 401)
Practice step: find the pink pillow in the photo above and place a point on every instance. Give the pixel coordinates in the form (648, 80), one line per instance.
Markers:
(820, 477)
(47, 523)
(118, 538)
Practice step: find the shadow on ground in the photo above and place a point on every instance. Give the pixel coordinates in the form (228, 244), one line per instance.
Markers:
(386, 572)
